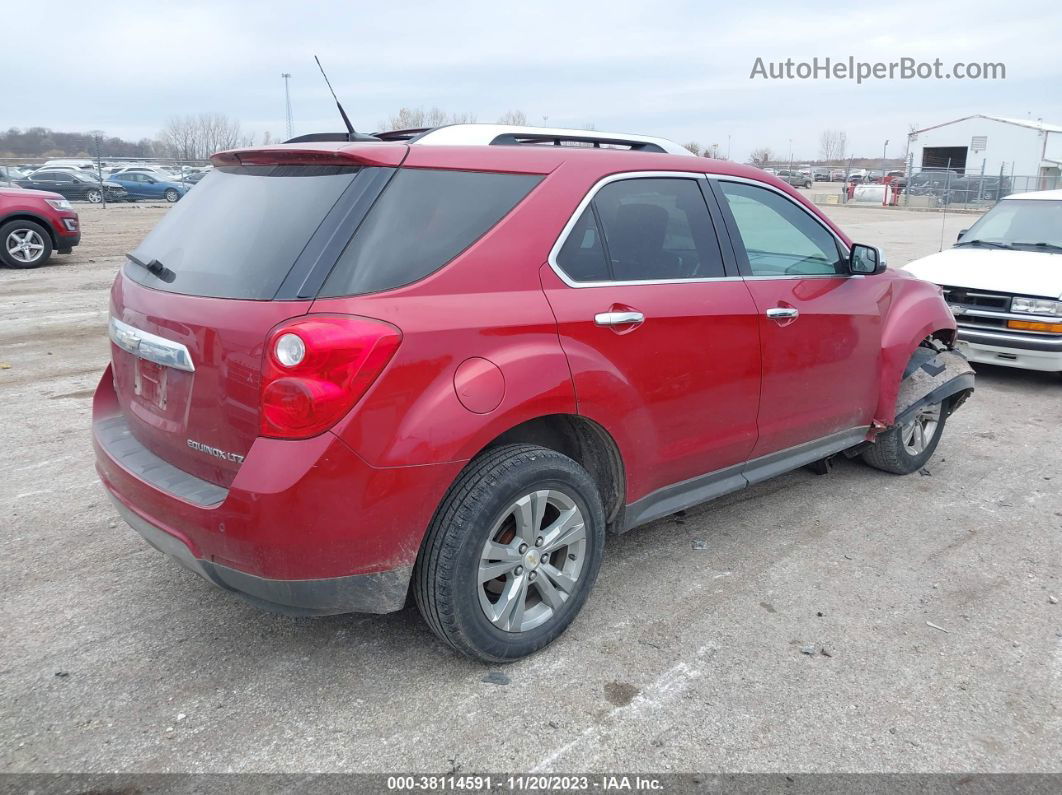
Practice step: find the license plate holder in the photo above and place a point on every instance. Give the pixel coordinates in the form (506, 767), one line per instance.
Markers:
(149, 382)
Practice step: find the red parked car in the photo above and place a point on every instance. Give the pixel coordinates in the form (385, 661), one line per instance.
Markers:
(443, 366)
(33, 225)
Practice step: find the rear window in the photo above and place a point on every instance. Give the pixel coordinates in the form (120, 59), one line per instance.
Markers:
(423, 220)
(238, 233)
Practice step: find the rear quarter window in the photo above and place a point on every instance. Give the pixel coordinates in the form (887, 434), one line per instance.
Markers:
(424, 219)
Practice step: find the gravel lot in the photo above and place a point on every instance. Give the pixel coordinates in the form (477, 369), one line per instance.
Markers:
(114, 659)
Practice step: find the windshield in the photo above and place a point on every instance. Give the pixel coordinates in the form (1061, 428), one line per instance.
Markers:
(238, 234)
(1020, 223)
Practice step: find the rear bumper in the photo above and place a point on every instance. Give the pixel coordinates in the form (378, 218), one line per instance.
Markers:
(306, 526)
(382, 592)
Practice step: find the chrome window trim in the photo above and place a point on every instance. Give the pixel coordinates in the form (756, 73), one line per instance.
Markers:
(589, 197)
(805, 210)
(563, 237)
(145, 345)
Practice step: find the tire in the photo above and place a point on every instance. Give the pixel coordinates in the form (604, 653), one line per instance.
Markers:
(94, 196)
(897, 451)
(510, 496)
(35, 252)
(172, 195)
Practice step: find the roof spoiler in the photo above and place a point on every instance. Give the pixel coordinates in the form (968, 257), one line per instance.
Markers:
(387, 155)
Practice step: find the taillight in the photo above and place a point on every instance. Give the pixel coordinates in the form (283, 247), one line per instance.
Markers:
(315, 368)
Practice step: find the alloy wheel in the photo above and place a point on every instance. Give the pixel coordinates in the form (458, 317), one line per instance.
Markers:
(919, 431)
(94, 196)
(25, 245)
(532, 560)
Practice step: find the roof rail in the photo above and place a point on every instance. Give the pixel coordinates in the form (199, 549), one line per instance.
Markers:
(409, 134)
(512, 135)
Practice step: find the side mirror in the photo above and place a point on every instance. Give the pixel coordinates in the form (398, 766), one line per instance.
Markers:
(961, 233)
(866, 260)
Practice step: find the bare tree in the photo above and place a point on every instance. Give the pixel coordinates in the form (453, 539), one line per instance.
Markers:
(761, 156)
(695, 147)
(515, 117)
(828, 146)
(833, 145)
(417, 118)
(197, 137)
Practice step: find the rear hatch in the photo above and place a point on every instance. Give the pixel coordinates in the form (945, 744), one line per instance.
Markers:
(193, 306)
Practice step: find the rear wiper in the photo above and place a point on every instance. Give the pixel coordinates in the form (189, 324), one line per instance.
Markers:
(986, 243)
(154, 267)
(1046, 246)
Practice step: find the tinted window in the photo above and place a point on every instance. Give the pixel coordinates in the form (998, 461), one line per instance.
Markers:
(658, 228)
(423, 220)
(582, 257)
(239, 232)
(780, 238)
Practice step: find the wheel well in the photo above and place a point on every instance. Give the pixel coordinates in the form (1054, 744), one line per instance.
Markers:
(37, 220)
(945, 335)
(584, 441)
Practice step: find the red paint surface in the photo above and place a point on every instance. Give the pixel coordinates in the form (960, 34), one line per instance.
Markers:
(705, 383)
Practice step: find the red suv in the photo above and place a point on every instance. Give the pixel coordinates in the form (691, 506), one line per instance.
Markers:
(33, 224)
(444, 365)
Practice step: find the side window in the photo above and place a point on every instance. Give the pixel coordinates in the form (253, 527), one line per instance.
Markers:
(658, 228)
(582, 256)
(423, 219)
(779, 237)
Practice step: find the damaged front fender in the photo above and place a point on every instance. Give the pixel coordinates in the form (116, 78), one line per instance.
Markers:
(934, 376)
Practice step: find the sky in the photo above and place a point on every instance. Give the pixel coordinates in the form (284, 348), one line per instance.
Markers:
(679, 70)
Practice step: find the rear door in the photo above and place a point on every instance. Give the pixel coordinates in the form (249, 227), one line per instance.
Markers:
(820, 327)
(661, 338)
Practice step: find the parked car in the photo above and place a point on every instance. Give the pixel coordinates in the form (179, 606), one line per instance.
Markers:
(836, 176)
(34, 225)
(80, 164)
(976, 188)
(794, 178)
(820, 175)
(74, 184)
(159, 171)
(935, 183)
(1003, 281)
(193, 177)
(11, 173)
(139, 185)
(352, 376)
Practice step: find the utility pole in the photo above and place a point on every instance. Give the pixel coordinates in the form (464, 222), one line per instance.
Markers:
(287, 105)
(884, 184)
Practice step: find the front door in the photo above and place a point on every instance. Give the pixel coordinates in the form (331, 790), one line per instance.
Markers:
(661, 339)
(820, 326)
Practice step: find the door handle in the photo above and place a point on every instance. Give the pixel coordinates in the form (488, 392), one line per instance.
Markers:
(618, 318)
(783, 313)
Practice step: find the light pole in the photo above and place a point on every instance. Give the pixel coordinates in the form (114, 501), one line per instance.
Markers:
(290, 120)
(790, 154)
(884, 185)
